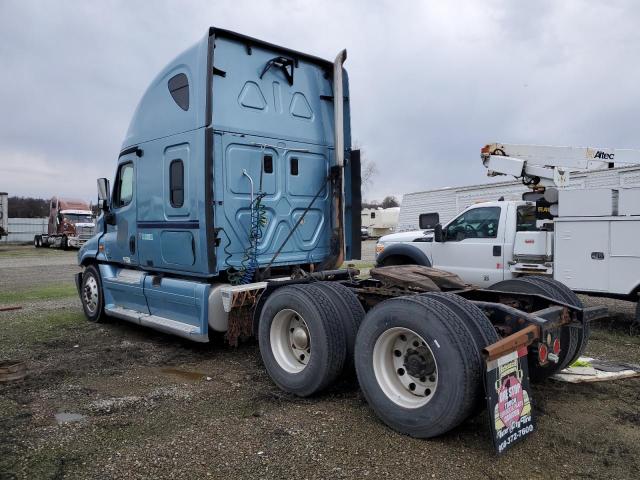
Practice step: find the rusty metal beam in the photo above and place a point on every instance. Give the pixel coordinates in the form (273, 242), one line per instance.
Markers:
(521, 338)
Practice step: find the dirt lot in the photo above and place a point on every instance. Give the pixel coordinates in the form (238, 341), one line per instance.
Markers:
(117, 401)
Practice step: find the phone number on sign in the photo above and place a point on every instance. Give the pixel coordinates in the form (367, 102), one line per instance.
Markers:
(514, 437)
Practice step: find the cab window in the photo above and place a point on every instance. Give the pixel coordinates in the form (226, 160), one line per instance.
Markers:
(480, 222)
(123, 187)
(526, 218)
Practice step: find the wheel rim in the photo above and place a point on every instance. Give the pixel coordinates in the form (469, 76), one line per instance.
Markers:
(290, 340)
(405, 367)
(90, 294)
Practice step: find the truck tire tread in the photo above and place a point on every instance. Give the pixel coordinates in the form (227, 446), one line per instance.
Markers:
(569, 335)
(456, 343)
(321, 316)
(351, 314)
(571, 298)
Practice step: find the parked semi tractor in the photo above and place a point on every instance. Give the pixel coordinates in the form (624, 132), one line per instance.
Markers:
(235, 204)
(584, 238)
(70, 224)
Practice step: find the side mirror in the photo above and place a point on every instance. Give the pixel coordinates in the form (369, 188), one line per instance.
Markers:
(104, 198)
(428, 221)
(437, 233)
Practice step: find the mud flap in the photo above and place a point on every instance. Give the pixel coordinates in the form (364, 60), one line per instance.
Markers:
(78, 279)
(509, 399)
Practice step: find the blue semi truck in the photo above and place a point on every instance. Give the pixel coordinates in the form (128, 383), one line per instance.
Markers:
(235, 205)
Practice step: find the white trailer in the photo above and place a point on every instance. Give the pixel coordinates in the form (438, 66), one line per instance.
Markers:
(380, 221)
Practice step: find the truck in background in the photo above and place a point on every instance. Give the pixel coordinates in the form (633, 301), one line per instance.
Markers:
(4, 214)
(71, 224)
(235, 204)
(584, 238)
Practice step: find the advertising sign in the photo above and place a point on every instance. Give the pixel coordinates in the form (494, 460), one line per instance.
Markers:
(509, 399)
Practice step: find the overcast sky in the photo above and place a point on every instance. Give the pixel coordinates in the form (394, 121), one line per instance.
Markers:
(431, 81)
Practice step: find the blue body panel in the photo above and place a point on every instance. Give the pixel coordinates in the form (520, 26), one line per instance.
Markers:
(236, 116)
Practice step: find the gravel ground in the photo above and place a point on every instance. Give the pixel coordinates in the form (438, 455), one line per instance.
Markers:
(118, 401)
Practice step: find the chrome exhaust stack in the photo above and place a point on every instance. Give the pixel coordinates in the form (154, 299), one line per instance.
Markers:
(338, 135)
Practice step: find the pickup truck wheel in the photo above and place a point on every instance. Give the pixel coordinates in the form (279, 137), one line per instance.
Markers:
(301, 340)
(351, 314)
(417, 366)
(91, 295)
(568, 336)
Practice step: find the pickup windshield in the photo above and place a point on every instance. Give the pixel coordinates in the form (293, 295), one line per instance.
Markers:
(526, 218)
(78, 218)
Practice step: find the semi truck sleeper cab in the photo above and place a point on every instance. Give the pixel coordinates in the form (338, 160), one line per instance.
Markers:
(235, 203)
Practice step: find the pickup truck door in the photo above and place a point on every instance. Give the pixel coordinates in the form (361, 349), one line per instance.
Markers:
(473, 246)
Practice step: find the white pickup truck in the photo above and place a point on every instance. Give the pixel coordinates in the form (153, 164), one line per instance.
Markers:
(477, 245)
(591, 246)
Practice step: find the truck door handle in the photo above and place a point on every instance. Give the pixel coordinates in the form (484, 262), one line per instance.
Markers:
(497, 250)
(132, 244)
(597, 255)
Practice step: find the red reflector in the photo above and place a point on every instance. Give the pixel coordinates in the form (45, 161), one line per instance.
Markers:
(556, 346)
(542, 353)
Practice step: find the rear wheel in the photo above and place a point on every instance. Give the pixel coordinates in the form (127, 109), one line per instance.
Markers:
(417, 366)
(570, 297)
(301, 340)
(572, 340)
(37, 241)
(478, 325)
(91, 295)
(65, 243)
(351, 314)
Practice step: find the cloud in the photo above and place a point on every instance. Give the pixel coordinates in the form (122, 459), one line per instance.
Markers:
(431, 82)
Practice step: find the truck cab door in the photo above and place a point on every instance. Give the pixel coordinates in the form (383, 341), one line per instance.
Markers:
(120, 240)
(473, 246)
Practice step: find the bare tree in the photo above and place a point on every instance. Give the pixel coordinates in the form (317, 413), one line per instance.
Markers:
(389, 202)
(368, 168)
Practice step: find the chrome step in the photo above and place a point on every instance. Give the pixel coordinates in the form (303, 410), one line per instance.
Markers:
(158, 323)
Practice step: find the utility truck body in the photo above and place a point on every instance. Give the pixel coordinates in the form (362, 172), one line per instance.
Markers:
(70, 224)
(236, 202)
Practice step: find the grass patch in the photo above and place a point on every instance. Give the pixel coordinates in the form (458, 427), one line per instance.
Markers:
(21, 332)
(14, 251)
(47, 292)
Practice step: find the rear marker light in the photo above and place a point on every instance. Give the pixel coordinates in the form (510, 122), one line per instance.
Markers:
(556, 346)
(542, 353)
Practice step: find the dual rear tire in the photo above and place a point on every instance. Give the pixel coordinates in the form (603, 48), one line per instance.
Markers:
(417, 358)
(419, 364)
(573, 339)
(307, 334)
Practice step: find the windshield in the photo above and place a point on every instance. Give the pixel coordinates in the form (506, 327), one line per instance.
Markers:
(78, 218)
